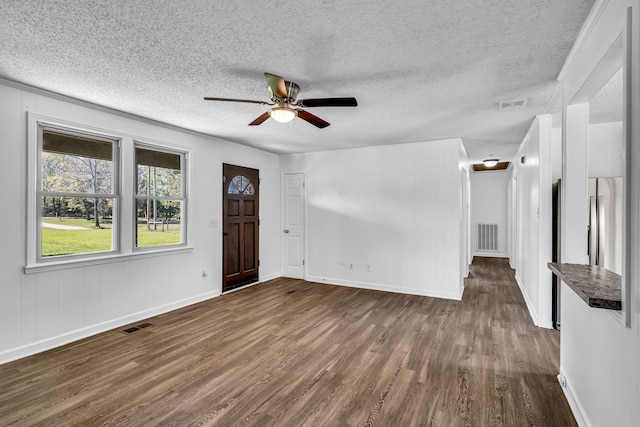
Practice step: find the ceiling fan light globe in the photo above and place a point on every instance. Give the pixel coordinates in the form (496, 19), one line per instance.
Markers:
(282, 114)
(490, 163)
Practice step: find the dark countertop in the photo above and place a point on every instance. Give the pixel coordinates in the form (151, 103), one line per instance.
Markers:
(597, 286)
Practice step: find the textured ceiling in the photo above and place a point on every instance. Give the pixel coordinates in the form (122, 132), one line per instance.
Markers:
(421, 70)
(607, 105)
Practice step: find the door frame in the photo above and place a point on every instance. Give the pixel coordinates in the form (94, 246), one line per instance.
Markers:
(220, 198)
(304, 216)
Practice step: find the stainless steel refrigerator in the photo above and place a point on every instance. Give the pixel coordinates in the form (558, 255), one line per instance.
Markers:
(605, 223)
(604, 231)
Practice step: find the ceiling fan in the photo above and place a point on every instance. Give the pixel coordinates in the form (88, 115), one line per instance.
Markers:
(284, 95)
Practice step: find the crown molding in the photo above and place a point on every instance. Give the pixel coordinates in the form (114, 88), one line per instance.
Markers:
(583, 36)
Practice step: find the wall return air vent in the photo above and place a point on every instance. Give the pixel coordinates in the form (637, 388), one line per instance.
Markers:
(487, 238)
(510, 104)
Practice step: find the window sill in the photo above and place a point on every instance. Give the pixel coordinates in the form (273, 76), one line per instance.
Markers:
(106, 259)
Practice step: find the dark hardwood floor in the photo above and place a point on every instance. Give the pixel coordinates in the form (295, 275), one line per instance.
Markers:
(292, 353)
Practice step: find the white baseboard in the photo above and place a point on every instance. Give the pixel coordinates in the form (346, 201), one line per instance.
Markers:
(271, 276)
(527, 301)
(490, 254)
(574, 403)
(68, 337)
(386, 288)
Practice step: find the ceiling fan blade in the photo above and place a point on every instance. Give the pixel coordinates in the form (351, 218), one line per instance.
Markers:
(260, 119)
(314, 120)
(249, 101)
(328, 102)
(277, 85)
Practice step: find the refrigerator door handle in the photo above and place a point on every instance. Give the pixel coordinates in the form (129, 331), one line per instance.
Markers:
(600, 204)
(592, 237)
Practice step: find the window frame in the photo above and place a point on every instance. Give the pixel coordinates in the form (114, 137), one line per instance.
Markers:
(184, 155)
(124, 183)
(35, 193)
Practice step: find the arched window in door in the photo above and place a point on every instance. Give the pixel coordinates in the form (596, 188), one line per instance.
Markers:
(240, 184)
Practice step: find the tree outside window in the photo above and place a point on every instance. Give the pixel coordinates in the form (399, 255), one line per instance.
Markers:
(159, 197)
(76, 193)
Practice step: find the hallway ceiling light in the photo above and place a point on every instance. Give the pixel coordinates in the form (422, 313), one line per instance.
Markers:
(490, 163)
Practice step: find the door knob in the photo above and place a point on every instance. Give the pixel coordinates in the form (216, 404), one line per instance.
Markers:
(286, 231)
(224, 233)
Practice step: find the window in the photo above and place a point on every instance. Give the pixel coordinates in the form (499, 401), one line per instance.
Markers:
(240, 184)
(76, 194)
(160, 197)
(77, 177)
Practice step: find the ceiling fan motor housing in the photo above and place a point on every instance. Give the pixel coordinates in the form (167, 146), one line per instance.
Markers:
(292, 93)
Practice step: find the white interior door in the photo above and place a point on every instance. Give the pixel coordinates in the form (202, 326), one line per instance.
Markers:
(293, 225)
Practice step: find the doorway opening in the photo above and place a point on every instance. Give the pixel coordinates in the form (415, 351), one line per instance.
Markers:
(240, 226)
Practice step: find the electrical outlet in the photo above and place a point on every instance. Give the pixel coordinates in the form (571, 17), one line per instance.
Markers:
(350, 266)
(368, 267)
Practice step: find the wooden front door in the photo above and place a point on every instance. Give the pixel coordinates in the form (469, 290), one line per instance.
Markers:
(240, 195)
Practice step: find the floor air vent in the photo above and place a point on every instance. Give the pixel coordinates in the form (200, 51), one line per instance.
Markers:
(136, 328)
(487, 238)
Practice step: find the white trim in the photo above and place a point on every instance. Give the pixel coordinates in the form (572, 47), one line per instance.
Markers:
(34, 182)
(268, 277)
(545, 222)
(249, 285)
(385, 288)
(527, 301)
(75, 127)
(594, 79)
(183, 198)
(68, 337)
(123, 191)
(490, 254)
(239, 288)
(574, 403)
(105, 259)
(583, 36)
(629, 214)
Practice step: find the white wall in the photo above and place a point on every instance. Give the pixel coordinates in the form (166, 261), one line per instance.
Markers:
(531, 219)
(46, 309)
(489, 206)
(605, 150)
(598, 354)
(397, 208)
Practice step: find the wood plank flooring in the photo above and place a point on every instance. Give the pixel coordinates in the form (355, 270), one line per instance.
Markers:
(293, 353)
